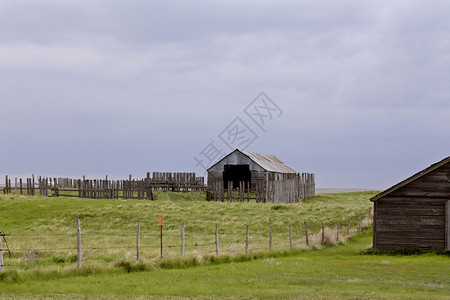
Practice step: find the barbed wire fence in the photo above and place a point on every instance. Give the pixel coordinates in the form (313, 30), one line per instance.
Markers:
(26, 250)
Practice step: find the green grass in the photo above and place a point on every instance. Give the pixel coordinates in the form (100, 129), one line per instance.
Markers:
(23, 214)
(37, 225)
(332, 272)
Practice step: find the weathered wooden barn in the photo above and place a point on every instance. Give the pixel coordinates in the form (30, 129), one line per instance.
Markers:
(262, 173)
(415, 213)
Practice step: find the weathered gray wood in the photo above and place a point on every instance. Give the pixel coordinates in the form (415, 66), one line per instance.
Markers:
(1, 254)
(290, 236)
(182, 235)
(306, 235)
(138, 241)
(246, 240)
(79, 243)
(270, 238)
(374, 237)
(323, 233)
(161, 236)
(370, 212)
(337, 234)
(348, 228)
(217, 239)
(447, 225)
(359, 228)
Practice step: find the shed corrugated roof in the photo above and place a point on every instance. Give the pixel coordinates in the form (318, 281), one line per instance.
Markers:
(270, 163)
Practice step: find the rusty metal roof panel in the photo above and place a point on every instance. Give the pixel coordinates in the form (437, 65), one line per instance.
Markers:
(270, 163)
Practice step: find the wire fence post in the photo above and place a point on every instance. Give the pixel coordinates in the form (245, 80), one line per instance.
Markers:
(290, 236)
(370, 212)
(323, 233)
(359, 228)
(161, 241)
(182, 239)
(217, 239)
(270, 238)
(1, 253)
(337, 237)
(138, 241)
(79, 243)
(306, 235)
(246, 241)
(348, 228)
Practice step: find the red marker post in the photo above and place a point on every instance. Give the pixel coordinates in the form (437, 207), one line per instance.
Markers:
(161, 224)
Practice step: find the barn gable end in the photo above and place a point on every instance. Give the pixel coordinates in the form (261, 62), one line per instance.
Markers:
(414, 213)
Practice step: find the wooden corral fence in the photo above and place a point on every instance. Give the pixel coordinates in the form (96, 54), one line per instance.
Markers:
(104, 188)
(176, 182)
(294, 189)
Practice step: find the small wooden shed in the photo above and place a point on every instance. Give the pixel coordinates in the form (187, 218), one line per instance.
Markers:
(415, 213)
(262, 172)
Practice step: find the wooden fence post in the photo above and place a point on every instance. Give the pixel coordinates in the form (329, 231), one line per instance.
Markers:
(79, 243)
(370, 212)
(182, 234)
(306, 235)
(323, 232)
(270, 238)
(359, 229)
(290, 236)
(348, 228)
(337, 237)
(138, 241)
(161, 241)
(1, 254)
(246, 241)
(217, 239)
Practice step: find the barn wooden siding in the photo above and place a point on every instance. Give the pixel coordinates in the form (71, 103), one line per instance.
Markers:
(415, 213)
(269, 187)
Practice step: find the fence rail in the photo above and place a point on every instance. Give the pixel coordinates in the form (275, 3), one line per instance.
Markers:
(81, 246)
(104, 188)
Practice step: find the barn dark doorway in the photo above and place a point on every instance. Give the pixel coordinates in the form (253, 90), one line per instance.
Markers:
(236, 173)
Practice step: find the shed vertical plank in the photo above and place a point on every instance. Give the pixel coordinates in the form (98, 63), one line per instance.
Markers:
(374, 241)
(447, 225)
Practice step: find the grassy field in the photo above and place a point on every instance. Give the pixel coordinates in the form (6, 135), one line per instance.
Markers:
(41, 230)
(329, 273)
(36, 226)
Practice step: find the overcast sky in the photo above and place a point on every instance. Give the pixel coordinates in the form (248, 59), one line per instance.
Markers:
(360, 90)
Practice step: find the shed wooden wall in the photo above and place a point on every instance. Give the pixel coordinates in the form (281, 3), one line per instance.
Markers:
(410, 223)
(414, 216)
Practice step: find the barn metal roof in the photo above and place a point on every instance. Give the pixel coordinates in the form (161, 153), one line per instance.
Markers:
(270, 163)
(411, 179)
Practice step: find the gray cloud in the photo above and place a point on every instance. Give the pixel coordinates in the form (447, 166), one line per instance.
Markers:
(127, 87)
